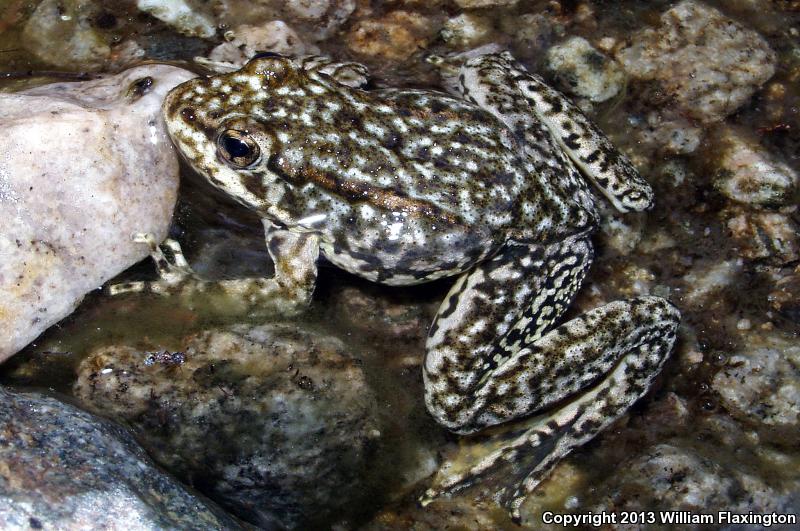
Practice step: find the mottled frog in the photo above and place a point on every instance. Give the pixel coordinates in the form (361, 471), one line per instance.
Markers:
(405, 186)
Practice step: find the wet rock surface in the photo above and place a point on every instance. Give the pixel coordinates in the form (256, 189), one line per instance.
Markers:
(760, 385)
(584, 71)
(276, 423)
(63, 468)
(106, 170)
(706, 62)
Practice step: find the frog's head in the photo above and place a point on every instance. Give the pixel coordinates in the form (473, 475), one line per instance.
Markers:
(219, 125)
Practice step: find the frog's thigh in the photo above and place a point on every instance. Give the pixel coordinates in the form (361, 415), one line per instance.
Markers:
(491, 313)
(504, 87)
(587, 146)
(616, 350)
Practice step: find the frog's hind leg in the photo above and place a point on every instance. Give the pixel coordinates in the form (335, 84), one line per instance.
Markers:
(579, 376)
(490, 79)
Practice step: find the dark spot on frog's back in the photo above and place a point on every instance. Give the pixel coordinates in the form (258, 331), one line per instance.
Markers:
(188, 115)
(346, 119)
(393, 141)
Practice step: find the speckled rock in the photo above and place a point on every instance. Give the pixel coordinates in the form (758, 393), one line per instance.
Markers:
(395, 36)
(760, 385)
(584, 71)
(275, 423)
(183, 16)
(667, 131)
(62, 468)
(773, 237)
(245, 41)
(677, 478)
(709, 64)
(61, 32)
(314, 19)
(467, 30)
(533, 32)
(82, 167)
(747, 173)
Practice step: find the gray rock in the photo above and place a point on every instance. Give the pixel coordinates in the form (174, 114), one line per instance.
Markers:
(314, 19)
(760, 385)
(275, 423)
(747, 173)
(60, 32)
(62, 468)
(706, 62)
(180, 15)
(672, 477)
(584, 71)
(82, 167)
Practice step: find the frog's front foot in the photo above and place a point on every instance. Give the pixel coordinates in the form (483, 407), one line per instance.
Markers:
(286, 293)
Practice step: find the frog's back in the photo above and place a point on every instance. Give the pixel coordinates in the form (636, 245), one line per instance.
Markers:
(411, 179)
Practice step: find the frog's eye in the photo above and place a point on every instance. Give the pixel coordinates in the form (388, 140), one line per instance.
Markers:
(237, 148)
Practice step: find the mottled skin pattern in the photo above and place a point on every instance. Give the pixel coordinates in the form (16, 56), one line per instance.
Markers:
(406, 186)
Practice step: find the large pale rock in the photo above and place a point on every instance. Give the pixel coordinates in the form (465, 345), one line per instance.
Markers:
(82, 167)
(181, 16)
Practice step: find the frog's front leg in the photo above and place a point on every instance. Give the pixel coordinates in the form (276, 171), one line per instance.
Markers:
(494, 354)
(288, 292)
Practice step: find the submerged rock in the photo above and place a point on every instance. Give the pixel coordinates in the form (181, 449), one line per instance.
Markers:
(275, 423)
(584, 71)
(314, 19)
(707, 63)
(396, 36)
(61, 32)
(747, 173)
(182, 16)
(674, 477)
(773, 237)
(82, 167)
(760, 385)
(467, 30)
(62, 468)
(245, 41)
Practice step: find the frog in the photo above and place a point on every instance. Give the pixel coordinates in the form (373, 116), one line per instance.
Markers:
(492, 181)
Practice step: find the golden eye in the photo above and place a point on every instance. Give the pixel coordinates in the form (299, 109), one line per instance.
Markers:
(237, 148)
